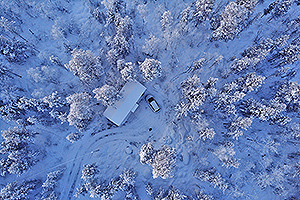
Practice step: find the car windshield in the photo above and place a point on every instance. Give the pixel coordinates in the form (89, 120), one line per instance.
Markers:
(150, 99)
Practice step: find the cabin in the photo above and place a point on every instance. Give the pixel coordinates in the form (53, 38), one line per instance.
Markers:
(131, 94)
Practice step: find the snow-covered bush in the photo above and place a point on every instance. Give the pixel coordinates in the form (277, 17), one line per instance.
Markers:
(18, 145)
(233, 20)
(162, 160)
(225, 154)
(152, 46)
(73, 137)
(15, 51)
(43, 74)
(235, 126)
(212, 177)
(170, 194)
(85, 65)
(151, 69)
(81, 111)
(18, 191)
(207, 133)
(107, 94)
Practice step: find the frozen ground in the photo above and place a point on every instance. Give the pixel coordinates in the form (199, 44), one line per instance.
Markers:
(233, 137)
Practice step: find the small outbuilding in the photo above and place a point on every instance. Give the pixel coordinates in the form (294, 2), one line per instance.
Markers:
(131, 94)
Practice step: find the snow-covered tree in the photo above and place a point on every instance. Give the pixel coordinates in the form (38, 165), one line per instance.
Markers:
(51, 181)
(233, 20)
(287, 55)
(203, 8)
(81, 111)
(18, 145)
(107, 94)
(274, 178)
(193, 92)
(85, 65)
(89, 171)
(127, 70)
(212, 177)
(54, 100)
(282, 8)
(107, 189)
(170, 194)
(18, 191)
(249, 4)
(151, 69)
(236, 125)
(115, 9)
(15, 51)
(147, 153)
(162, 160)
(225, 154)
(200, 195)
(120, 42)
(166, 20)
(48, 192)
(207, 133)
(235, 91)
(253, 55)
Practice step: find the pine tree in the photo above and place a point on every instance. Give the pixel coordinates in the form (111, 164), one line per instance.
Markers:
(15, 51)
(151, 69)
(81, 111)
(15, 191)
(203, 8)
(233, 20)
(17, 145)
(85, 65)
(107, 94)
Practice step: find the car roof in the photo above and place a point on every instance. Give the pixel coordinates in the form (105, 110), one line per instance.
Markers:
(155, 105)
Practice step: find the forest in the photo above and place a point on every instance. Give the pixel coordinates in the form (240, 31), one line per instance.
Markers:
(224, 73)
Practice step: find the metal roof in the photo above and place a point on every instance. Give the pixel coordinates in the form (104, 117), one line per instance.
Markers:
(131, 93)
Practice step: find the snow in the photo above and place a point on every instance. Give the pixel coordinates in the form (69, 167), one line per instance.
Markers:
(254, 151)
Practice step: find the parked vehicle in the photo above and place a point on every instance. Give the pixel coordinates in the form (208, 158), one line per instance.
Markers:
(152, 103)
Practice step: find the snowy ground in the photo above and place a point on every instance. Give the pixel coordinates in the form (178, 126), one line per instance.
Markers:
(267, 151)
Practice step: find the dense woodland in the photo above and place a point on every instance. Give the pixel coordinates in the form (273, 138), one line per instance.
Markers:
(225, 73)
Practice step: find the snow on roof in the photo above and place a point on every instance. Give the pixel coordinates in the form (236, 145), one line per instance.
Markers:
(131, 93)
